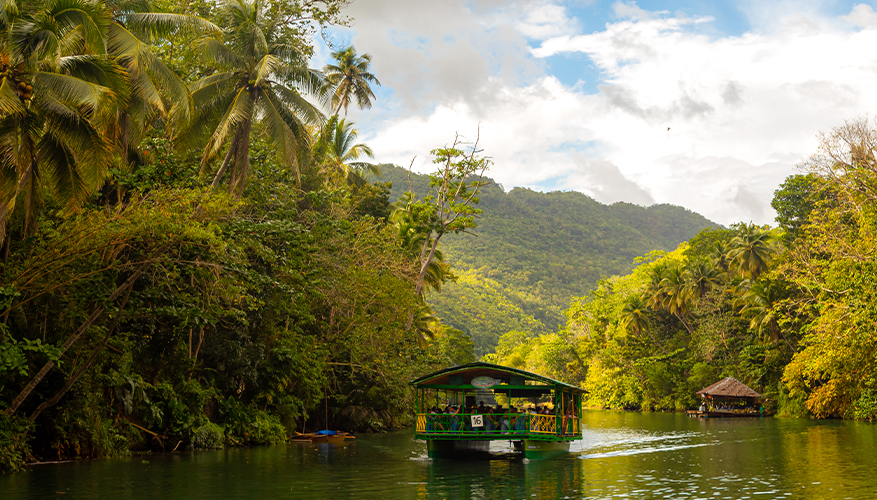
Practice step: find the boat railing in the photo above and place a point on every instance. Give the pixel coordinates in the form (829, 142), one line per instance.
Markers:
(512, 424)
(543, 424)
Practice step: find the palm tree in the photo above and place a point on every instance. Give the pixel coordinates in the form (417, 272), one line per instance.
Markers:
(752, 250)
(55, 104)
(654, 293)
(676, 296)
(411, 241)
(636, 319)
(760, 302)
(336, 150)
(153, 89)
(259, 78)
(673, 286)
(701, 277)
(350, 78)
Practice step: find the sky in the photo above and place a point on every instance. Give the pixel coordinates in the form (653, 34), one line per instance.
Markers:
(706, 104)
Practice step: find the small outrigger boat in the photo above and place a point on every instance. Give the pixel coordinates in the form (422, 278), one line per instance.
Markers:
(325, 436)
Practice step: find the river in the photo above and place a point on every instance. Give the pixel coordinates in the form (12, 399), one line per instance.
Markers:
(622, 455)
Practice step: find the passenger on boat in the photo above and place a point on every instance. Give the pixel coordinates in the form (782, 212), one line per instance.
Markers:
(489, 424)
(455, 418)
(504, 420)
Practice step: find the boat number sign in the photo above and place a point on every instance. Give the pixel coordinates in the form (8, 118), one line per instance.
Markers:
(483, 382)
(477, 420)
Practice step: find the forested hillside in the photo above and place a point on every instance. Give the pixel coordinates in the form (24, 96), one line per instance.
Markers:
(532, 252)
(789, 311)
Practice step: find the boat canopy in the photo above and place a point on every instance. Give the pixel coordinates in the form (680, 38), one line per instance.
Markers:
(480, 375)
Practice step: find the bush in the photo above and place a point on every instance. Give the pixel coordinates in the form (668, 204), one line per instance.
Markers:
(266, 429)
(250, 425)
(208, 436)
(14, 450)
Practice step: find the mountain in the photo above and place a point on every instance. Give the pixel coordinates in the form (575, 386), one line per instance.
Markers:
(533, 252)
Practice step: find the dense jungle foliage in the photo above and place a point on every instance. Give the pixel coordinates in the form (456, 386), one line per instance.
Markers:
(789, 311)
(192, 253)
(533, 252)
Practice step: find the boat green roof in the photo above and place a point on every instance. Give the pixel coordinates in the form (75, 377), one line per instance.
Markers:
(481, 369)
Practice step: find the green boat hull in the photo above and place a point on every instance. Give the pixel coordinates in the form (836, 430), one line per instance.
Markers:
(543, 450)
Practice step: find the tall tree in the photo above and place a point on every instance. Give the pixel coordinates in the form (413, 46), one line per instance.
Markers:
(350, 79)
(752, 250)
(701, 277)
(261, 77)
(760, 303)
(450, 206)
(152, 89)
(636, 318)
(56, 102)
(338, 152)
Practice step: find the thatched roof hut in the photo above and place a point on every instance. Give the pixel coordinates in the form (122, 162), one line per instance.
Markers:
(728, 388)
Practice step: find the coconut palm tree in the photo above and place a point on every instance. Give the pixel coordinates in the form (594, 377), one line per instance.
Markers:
(335, 148)
(56, 101)
(411, 241)
(752, 250)
(636, 319)
(654, 293)
(760, 303)
(350, 79)
(152, 89)
(260, 80)
(701, 277)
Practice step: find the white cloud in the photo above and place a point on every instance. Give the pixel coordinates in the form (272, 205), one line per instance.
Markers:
(741, 110)
(546, 20)
(863, 16)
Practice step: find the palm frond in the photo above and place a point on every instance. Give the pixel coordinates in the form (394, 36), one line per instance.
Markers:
(298, 105)
(240, 110)
(264, 69)
(214, 51)
(73, 90)
(152, 25)
(10, 103)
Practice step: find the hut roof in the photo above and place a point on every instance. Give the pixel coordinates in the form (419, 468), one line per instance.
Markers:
(729, 387)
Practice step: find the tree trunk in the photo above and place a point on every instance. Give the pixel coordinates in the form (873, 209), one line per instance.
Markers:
(228, 157)
(123, 146)
(73, 378)
(96, 312)
(242, 159)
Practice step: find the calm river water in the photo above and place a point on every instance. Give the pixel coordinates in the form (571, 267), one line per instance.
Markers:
(622, 455)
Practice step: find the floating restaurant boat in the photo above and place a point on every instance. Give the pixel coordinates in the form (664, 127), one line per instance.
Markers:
(453, 420)
(728, 398)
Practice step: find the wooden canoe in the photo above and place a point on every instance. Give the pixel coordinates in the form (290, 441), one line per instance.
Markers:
(323, 437)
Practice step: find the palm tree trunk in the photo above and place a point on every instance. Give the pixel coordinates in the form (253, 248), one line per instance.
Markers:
(242, 158)
(4, 217)
(123, 147)
(225, 162)
(655, 340)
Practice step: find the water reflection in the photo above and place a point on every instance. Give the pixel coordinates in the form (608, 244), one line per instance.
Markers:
(622, 455)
